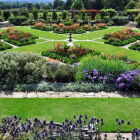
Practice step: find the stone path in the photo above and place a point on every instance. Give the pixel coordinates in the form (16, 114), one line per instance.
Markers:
(52, 94)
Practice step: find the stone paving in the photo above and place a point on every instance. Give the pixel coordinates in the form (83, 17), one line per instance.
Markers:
(52, 94)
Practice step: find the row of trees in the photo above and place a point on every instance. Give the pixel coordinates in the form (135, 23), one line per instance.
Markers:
(76, 4)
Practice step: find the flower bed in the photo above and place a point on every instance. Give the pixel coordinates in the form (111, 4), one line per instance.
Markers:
(62, 29)
(18, 38)
(42, 26)
(95, 27)
(135, 46)
(81, 128)
(122, 38)
(66, 53)
(4, 46)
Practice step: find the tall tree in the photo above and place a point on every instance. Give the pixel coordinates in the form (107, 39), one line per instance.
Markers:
(37, 5)
(58, 3)
(78, 5)
(68, 4)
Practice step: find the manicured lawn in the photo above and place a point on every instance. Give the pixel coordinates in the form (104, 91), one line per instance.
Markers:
(60, 109)
(37, 48)
(43, 34)
(132, 54)
(97, 34)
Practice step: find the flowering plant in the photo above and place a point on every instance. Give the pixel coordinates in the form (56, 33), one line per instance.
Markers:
(129, 80)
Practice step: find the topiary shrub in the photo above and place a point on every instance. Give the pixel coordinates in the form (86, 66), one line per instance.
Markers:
(35, 13)
(21, 68)
(45, 14)
(6, 14)
(54, 15)
(64, 14)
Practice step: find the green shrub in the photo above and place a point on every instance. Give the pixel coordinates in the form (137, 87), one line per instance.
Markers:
(20, 68)
(104, 66)
(54, 15)
(15, 12)
(62, 73)
(24, 12)
(138, 20)
(64, 14)
(45, 14)
(111, 12)
(103, 13)
(18, 20)
(35, 13)
(6, 14)
(98, 17)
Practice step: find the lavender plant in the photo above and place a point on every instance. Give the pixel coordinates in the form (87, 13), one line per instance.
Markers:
(81, 129)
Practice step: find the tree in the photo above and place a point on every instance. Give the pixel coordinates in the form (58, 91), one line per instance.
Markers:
(24, 12)
(58, 3)
(130, 5)
(15, 12)
(29, 6)
(138, 5)
(78, 5)
(6, 14)
(47, 7)
(68, 4)
(37, 6)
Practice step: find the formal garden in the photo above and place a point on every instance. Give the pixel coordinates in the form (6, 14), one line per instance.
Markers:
(82, 55)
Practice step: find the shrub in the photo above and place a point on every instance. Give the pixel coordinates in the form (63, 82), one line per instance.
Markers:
(64, 14)
(98, 17)
(135, 46)
(15, 12)
(45, 14)
(6, 14)
(120, 20)
(103, 13)
(24, 12)
(18, 20)
(35, 13)
(138, 20)
(62, 73)
(111, 12)
(54, 15)
(4, 46)
(20, 68)
(103, 66)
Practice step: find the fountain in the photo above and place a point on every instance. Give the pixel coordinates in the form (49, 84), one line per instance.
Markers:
(70, 37)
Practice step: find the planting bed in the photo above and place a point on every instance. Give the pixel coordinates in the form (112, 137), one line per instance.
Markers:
(122, 38)
(18, 38)
(4, 46)
(75, 28)
(135, 46)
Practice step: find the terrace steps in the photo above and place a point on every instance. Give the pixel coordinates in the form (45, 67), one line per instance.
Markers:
(131, 24)
(5, 24)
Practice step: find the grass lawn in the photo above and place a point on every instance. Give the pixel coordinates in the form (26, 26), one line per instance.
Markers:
(62, 108)
(43, 34)
(132, 54)
(37, 48)
(97, 34)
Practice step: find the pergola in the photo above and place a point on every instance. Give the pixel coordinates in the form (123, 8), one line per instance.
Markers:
(92, 12)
